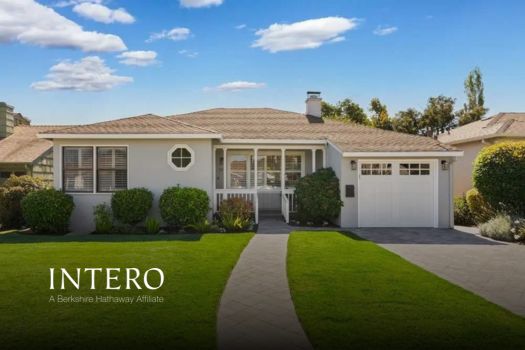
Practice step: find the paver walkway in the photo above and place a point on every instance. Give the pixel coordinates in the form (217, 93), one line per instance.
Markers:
(493, 270)
(256, 309)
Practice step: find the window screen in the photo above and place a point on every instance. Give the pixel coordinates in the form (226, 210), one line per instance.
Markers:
(77, 169)
(112, 169)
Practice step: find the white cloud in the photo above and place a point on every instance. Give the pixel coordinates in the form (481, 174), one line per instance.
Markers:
(381, 31)
(236, 86)
(29, 22)
(88, 74)
(309, 34)
(138, 58)
(200, 3)
(189, 53)
(66, 3)
(240, 26)
(101, 13)
(175, 34)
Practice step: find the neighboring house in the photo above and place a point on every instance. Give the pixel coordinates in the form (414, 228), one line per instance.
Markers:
(21, 151)
(387, 179)
(471, 138)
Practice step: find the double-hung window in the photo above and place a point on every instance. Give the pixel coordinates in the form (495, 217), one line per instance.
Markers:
(112, 169)
(293, 169)
(77, 169)
(80, 174)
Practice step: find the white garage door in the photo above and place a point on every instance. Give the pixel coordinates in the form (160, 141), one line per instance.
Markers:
(397, 193)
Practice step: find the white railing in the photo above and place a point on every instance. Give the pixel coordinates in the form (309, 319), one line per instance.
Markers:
(288, 204)
(249, 194)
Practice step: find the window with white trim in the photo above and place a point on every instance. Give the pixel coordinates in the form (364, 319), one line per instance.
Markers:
(239, 171)
(268, 171)
(414, 169)
(293, 169)
(181, 157)
(112, 169)
(376, 169)
(77, 169)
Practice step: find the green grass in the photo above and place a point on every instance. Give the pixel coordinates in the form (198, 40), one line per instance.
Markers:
(350, 293)
(196, 268)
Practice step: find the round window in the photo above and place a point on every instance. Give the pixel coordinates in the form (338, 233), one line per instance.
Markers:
(181, 157)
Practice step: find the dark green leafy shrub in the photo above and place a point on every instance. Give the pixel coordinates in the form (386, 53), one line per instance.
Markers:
(462, 214)
(203, 227)
(235, 214)
(499, 227)
(318, 197)
(479, 208)
(182, 206)
(131, 206)
(48, 211)
(152, 226)
(103, 218)
(499, 175)
(12, 191)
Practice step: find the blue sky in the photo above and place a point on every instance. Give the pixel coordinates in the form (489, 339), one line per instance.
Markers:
(426, 49)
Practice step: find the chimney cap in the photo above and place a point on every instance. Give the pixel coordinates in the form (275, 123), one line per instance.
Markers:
(318, 93)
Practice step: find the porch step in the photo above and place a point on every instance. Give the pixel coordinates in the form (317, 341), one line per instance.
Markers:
(270, 214)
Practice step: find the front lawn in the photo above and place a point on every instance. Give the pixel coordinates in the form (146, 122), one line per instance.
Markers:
(350, 293)
(196, 268)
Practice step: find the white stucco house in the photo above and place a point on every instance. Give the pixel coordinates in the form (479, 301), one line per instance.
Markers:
(387, 179)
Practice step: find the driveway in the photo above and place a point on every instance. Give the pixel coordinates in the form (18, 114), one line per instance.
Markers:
(493, 270)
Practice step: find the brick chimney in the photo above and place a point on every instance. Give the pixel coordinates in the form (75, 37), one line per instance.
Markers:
(7, 120)
(313, 104)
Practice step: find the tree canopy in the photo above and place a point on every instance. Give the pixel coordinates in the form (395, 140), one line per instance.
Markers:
(438, 115)
(344, 110)
(380, 118)
(474, 108)
(408, 121)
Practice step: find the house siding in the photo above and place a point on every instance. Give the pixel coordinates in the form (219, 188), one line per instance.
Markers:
(147, 167)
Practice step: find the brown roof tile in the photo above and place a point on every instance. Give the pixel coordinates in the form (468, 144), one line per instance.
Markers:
(499, 125)
(23, 146)
(143, 124)
(267, 123)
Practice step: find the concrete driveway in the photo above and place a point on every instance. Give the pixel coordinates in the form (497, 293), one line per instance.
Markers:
(493, 270)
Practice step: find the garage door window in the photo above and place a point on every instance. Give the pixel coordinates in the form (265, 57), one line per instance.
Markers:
(376, 169)
(414, 169)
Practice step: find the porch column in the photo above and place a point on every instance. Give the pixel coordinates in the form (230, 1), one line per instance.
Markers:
(314, 151)
(214, 180)
(283, 165)
(255, 168)
(324, 158)
(224, 165)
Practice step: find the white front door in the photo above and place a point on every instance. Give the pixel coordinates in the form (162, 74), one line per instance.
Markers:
(398, 193)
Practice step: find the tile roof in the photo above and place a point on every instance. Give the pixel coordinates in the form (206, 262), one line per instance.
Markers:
(267, 123)
(23, 146)
(142, 124)
(500, 125)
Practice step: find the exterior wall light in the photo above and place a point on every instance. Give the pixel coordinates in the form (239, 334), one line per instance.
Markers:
(444, 165)
(353, 165)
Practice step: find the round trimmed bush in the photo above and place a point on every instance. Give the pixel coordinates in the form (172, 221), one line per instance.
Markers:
(131, 206)
(479, 208)
(499, 173)
(318, 197)
(182, 206)
(48, 211)
(12, 191)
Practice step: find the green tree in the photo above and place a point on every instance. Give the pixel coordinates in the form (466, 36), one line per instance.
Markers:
(474, 108)
(380, 118)
(438, 115)
(344, 110)
(407, 121)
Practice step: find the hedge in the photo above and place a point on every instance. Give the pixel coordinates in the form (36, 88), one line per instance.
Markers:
(182, 206)
(48, 211)
(12, 191)
(131, 206)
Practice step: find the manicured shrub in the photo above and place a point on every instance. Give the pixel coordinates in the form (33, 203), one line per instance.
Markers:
(235, 214)
(318, 197)
(131, 206)
(182, 206)
(152, 226)
(462, 214)
(499, 175)
(48, 211)
(479, 208)
(12, 191)
(103, 218)
(499, 227)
